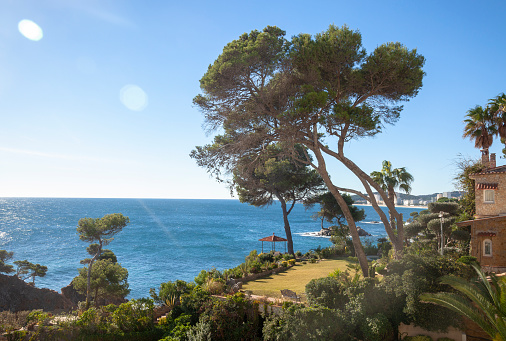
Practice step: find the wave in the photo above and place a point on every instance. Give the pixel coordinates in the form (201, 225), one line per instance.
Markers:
(311, 234)
(370, 222)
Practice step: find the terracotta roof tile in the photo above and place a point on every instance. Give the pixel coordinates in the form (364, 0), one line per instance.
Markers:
(486, 234)
(273, 238)
(486, 186)
(500, 169)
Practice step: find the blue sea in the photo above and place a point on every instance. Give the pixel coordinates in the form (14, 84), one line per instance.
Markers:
(167, 239)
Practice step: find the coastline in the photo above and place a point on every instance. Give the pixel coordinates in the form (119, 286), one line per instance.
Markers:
(383, 205)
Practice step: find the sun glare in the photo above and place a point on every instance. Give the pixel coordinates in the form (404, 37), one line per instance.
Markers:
(30, 30)
(133, 97)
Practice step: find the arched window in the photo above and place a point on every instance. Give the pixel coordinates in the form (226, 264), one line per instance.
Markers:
(487, 248)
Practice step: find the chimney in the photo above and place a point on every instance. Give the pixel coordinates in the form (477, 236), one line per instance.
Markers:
(491, 164)
(484, 157)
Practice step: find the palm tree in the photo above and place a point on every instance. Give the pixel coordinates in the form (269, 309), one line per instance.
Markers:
(489, 301)
(391, 179)
(480, 127)
(498, 109)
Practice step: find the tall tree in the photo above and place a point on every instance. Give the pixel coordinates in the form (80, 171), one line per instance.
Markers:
(480, 127)
(391, 179)
(99, 230)
(265, 89)
(259, 182)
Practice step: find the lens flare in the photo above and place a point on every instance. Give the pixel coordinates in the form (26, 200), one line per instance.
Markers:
(133, 97)
(30, 30)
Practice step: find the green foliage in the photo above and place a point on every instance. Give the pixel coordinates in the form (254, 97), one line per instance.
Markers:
(102, 230)
(451, 208)
(134, 316)
(327, 292)
(312, 323)
(465, 183)
(467, 260)
(235, 318)
(5, 256)
(415, 274)
(488, 308)
(377, 328)
(96, 229)
(171, 291)
(108, 280)
(331, 211)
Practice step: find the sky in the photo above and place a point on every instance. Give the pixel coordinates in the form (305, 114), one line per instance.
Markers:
(98, 102)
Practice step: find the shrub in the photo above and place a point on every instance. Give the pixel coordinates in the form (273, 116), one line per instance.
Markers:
(255, 267)
(327, 292)
(291, 262)
(298, 254)
(284, 264)
(377, 328)
(215, 286)
(266, 257)
(467, 259)
(134, 316)
(172, 291)
(12, 321)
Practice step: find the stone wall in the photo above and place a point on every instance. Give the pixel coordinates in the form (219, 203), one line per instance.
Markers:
(495, 226)
(17, 295)
(484, 209)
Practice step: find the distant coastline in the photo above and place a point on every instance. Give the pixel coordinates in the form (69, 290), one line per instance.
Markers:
(409, 206)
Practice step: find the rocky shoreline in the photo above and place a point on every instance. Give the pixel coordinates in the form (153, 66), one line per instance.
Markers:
(327, 232)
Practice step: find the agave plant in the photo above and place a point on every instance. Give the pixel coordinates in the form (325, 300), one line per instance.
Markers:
(488, 308)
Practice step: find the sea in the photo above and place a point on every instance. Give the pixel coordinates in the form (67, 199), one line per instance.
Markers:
(166, 239)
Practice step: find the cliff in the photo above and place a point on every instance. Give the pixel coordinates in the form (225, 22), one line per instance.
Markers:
(17, 295)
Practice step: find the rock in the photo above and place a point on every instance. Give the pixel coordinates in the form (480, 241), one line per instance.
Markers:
(237, 287)
(325, 232)
(17, 295)
(362, 232)
(75, 297)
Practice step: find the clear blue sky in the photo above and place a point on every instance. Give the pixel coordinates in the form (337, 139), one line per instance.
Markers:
(65, 131)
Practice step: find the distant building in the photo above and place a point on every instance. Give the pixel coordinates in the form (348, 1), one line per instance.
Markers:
(447, 195)
(439, 196)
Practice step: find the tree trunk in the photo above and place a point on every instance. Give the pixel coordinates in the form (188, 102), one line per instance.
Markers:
(88, 282)
(288, 231)
(397, 241)
(357, 244)
(391, 197)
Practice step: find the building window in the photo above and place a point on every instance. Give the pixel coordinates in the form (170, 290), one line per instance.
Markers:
(487, 248)
(489, 195)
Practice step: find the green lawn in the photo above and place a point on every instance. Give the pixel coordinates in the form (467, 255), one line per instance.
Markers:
(294, 278)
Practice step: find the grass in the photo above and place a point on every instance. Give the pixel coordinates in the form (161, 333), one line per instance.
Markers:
(294, 278)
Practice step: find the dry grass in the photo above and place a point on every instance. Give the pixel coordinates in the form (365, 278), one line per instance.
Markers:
(294, 278)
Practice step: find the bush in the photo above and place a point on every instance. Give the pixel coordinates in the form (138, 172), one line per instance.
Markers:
(291, 262)
(467, 259)
(172, 291)
(327, 292)
(377, 328)
(215, 286)
(266, 257)
(284, 264)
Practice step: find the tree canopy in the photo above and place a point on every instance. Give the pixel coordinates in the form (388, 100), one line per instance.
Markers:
(264, 89)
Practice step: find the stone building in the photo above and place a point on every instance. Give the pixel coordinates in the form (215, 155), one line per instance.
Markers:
(488, 230)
